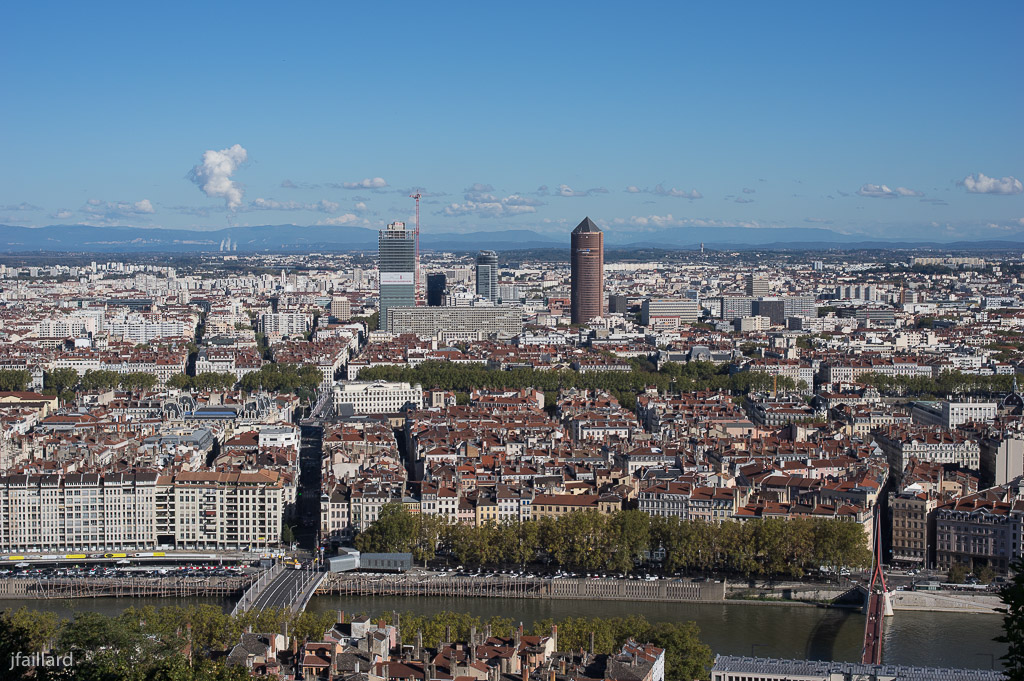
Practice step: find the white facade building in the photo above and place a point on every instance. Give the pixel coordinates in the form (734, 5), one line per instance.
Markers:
(377, 397)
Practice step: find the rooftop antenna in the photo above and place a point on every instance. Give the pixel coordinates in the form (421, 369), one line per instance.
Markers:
(419, 295)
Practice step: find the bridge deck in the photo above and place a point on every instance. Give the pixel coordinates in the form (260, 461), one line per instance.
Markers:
(875, 625)
(873, 629)
(281, 588)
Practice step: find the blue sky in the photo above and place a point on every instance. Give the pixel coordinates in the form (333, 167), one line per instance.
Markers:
(883, 119)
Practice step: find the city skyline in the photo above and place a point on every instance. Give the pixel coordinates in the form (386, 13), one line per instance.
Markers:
(894, 124)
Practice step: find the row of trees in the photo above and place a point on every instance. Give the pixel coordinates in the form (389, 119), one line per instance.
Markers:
(624, 385)
(14, 379)
(150, 643)
(617, 542)
(271, 377)
(137, 645)
(947, 383)
(283, 378)
(65, 381)
(208, 380)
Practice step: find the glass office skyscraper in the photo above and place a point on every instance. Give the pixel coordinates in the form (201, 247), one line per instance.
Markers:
(487, 275)
(397, 263)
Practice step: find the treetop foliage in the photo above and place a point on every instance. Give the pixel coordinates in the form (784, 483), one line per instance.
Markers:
(588, 540)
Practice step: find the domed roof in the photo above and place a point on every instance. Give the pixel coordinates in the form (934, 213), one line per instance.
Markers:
(1014, 401)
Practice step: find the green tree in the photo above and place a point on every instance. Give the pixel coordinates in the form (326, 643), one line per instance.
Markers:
(60, 380)
(957, 573)
(394, 530)
(101, 380)
(181, 382)
(1012, 596)
(138, 380)
(16, 380)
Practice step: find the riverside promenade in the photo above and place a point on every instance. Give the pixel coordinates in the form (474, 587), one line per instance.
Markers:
(501, 586)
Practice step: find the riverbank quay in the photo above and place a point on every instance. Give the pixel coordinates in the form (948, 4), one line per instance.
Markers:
(947, 601)
(90, 587)
(504, 586)
(797, 593)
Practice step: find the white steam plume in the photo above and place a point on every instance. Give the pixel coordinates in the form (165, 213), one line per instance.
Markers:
(213, 175)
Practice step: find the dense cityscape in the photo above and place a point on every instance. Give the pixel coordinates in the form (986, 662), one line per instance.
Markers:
(704, 427)
(646, 341)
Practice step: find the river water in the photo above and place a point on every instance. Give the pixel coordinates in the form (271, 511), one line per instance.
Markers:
(912, 638)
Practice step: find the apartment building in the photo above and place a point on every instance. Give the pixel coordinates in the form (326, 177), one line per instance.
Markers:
(429, 322)
(77, 512)
(557, 505)
(669, 312)
(927, 444)
(986, 528)
(913, 526)
(666, 499)
(214, 510)
(277, 325)
(140, 510)
(376, 397)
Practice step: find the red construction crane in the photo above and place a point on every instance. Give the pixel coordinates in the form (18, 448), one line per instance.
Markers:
(419, 292)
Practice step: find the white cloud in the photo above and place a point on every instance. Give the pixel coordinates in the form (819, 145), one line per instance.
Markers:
(881, 191)
(213, 175)
(321, 206)
(62, 214)
(23, 206)
(669, 220)
(367, 183)
(118, 208)
(490, 206)
(359, 207)
(633, 189)
(677, 193)
(983, 184)
(345, 219)
(566, 190)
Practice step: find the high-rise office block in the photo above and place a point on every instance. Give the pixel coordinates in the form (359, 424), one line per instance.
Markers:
(397, 263)
(436, 285)
(773, 309)
(587, 265)
(341, 308)
(669, 311)
(487, 275)
(757, 285)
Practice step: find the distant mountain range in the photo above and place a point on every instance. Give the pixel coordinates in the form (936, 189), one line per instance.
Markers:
(284, 238)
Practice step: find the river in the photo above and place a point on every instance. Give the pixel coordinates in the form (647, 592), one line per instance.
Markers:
(911, 638)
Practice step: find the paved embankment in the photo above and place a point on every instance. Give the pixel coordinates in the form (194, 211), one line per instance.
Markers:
(788, 592)
(90, 587)
(523, 587)
(946, 601)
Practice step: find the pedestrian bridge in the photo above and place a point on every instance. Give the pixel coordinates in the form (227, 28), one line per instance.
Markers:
(879, 605)
(281, 588)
